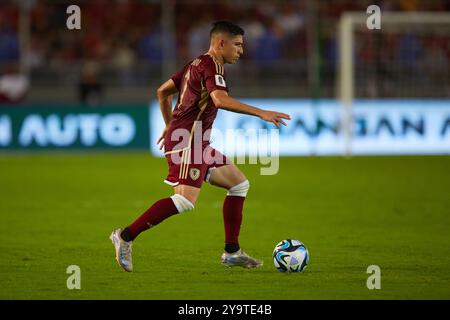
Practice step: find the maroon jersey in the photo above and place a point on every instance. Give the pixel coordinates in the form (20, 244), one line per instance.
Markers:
(195, 82)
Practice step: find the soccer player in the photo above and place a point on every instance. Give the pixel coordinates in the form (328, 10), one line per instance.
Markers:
(202, 91)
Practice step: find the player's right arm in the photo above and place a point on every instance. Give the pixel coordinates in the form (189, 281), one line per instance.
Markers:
(164, 94)
(222, 100)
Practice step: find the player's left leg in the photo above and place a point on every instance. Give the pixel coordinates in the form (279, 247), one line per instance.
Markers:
(232, 179)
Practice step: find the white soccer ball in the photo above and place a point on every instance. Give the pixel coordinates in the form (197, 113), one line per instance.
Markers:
(290, 256)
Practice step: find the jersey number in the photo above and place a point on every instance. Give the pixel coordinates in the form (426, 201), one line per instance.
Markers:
(187, 75)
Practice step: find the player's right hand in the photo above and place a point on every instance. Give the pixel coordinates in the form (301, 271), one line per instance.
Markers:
(275, 117)
(160, 141)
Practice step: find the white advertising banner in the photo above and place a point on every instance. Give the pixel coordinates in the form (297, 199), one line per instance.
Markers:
(378, 127)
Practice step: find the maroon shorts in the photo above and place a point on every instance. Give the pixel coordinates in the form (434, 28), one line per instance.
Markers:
(193, 166)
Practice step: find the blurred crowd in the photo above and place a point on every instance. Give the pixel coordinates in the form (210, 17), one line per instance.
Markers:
(125, 33)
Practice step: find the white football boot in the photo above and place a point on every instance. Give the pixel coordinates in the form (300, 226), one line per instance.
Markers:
(123, 250)
(240, 259)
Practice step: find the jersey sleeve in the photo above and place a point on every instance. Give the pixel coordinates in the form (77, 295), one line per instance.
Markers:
(213, 77)
(177, 77)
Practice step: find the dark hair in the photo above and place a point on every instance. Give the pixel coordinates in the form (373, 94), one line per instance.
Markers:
(226, 27)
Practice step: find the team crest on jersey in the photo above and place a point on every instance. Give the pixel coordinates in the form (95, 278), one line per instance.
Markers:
(194, 173)
(220, 81)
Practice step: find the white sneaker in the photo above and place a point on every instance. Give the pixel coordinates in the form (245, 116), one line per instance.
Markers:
(123, 250)
(241, 259)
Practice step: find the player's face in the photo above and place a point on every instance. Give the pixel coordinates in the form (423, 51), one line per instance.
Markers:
(233, 49)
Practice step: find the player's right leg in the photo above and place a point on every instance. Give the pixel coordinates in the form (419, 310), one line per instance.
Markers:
(184, 199)
(186, 191)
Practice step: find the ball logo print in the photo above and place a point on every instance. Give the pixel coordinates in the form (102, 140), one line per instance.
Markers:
(290, 256)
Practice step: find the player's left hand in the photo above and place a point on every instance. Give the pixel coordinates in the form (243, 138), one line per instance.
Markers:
(275, 117)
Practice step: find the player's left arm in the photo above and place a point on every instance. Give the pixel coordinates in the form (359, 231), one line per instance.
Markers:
(216, 85)
(223, 101)
(164, 94)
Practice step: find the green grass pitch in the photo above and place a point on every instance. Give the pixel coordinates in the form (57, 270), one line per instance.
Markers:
(58, 209)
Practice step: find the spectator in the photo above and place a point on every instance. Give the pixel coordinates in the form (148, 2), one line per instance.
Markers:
(13, 85)
(9, 41)
(198, 37)
(123, 60)
(268, 46)
(410, 50)
(149, 47)
(90, 88)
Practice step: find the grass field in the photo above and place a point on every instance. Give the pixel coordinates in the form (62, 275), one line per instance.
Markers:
(58, 210)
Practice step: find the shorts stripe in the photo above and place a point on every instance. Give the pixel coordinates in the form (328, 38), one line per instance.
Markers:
(188, 158)
(181, 164)
(184, 163)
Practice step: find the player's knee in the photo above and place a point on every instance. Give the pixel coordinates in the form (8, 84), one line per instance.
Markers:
(182, 203)
(239, 190)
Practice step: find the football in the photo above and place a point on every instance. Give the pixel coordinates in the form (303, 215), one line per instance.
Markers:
(290, 256)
